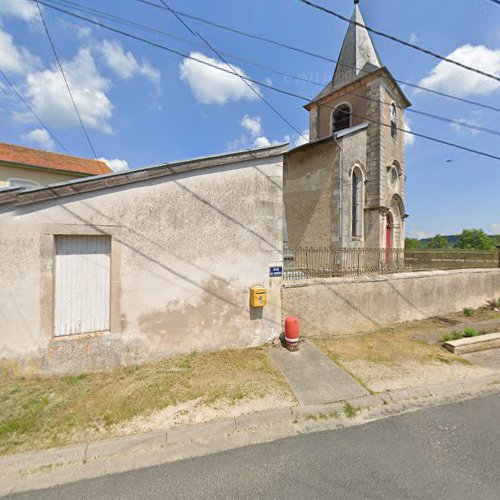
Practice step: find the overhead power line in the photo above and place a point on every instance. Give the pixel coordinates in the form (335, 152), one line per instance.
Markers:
(248, 84)
(65, 79)
(315, 55)
(32, 111)
(263, 84)
(143, 27)
(400, 40)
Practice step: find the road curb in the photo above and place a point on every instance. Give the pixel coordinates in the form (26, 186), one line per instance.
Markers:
(30, 471)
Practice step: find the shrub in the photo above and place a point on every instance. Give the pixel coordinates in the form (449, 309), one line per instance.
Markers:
(469, 311)
(446, 337)
(470, 332)
(456, 336)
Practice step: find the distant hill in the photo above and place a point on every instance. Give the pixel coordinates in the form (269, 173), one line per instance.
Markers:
(452, 238)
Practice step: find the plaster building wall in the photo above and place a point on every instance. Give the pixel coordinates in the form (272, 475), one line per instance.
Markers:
(185, 249)
(308, 174)
(312, 191)
(342, 306)
(40, 176)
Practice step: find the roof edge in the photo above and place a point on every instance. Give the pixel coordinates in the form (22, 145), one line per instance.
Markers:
(104, 181)
(379, 72)
(339, 135)
(52, 170)
(65, 155)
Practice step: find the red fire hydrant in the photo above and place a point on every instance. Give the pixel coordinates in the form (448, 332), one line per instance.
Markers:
(292, 333)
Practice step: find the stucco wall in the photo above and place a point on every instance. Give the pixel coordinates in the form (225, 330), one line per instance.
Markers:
(312, 191)
(186, 249)
(40, 176)
(341, 306)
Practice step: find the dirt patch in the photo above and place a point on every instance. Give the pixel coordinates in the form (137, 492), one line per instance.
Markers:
(399, 357)
(39, 412)
(195, 412)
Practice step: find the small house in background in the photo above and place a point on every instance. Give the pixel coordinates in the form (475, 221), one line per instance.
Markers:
(29, 168)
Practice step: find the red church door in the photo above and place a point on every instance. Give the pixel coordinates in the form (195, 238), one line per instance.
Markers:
(388, 239)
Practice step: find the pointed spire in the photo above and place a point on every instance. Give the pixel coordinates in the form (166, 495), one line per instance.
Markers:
(358, 55)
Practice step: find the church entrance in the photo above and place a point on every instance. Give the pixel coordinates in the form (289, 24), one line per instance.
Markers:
(388, 238)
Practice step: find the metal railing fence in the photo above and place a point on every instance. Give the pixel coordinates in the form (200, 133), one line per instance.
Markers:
(307, 263)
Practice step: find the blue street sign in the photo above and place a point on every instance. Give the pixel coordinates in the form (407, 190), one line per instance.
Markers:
(275, 271)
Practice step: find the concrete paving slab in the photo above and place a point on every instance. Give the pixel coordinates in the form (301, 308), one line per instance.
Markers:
(176, 435)
(263, 418)
(67, 454)
(126, 444)
(488, 359)
(313, 377)
(474, 344)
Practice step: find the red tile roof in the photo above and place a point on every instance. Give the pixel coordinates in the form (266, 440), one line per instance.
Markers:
(11, 153)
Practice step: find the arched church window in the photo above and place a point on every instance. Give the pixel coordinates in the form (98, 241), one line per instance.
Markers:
(357, 203)
(394, 177)
(394, 121)
(341, 117)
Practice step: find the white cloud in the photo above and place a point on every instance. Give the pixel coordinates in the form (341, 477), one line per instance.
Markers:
(261, 142)
(473, 119)
(41, 138)
(49, 97)
(237, 144)
(125, 65)
(495, 228)
(115, 164)
(409, 138)
(14, 59)
(420, 234)
(413, 38)
(252, 124)
(302, 140)
(447, 77)
(212, 86)
(23, 9)
(84, 32)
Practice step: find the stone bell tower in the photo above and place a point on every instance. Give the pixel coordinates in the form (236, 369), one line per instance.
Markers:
(360, 114)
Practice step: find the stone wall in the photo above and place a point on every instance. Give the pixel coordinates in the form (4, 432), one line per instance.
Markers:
(340, 306)
(311, 191)
(186, 247)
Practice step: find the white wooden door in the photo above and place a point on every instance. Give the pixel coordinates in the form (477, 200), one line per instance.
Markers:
(82, 288)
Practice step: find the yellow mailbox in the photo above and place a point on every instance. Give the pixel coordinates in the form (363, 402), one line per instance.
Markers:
(258, 296)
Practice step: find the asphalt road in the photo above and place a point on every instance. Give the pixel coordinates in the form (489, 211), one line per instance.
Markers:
(450, 451)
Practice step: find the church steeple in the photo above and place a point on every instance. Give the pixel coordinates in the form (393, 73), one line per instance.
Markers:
(358, 56)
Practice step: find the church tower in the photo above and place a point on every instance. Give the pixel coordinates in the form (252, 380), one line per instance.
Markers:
(356, 123)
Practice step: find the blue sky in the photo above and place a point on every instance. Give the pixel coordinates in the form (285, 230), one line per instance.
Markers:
(144, 106)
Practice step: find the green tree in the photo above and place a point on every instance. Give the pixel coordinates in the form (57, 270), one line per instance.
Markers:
(475, 239)
(413, 244)
(438, 242)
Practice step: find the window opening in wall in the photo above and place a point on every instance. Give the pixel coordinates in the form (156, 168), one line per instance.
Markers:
(394, 177)
(341, 118)
(23, 183)
(357, 203)
(394, 121)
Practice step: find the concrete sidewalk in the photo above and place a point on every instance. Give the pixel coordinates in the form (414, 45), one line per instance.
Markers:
(313, 377)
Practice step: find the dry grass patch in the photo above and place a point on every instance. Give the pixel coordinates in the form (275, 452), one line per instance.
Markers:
(45, 412)
(394, 358)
